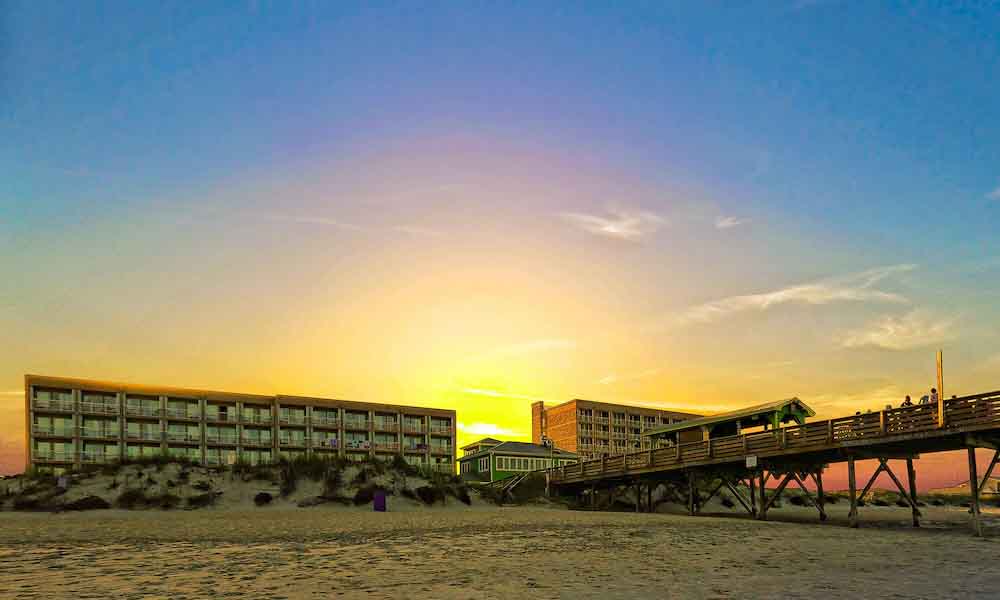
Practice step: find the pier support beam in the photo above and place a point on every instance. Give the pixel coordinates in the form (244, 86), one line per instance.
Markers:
(649, 496)
(762, 511)
(818, 478)
(638, 496)
(751, 483)
(852, 488)
(977, 525)
(690, 493)
(911, 475)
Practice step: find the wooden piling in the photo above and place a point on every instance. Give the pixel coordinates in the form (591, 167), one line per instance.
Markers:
(761, 510)
(911, 475)
(819, 494)
(853, 489)
(977, 525)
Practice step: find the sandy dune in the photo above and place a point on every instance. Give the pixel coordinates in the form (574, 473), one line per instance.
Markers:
(486, 552)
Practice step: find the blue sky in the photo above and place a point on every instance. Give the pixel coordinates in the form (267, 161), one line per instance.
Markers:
(653, 163)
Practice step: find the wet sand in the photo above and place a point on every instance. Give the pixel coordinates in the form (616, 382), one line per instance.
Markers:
(489, 552)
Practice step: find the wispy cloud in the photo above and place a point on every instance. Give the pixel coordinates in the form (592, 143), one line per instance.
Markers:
(995, 194)
(499, 394)
(729, 222)
(617, 223)
(856, 287)
(489, 429)
(614, 378)
(915, 329)
(417, 231)
(313, 220)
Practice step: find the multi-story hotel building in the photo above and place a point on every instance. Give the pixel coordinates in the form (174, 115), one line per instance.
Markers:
(73, 422)
(592, 429)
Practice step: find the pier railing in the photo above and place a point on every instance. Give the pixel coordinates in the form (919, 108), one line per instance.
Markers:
(966, 413)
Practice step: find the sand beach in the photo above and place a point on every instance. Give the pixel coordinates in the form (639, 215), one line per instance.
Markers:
(484, 551)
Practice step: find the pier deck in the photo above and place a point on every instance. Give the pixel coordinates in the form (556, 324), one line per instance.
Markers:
(792, 454)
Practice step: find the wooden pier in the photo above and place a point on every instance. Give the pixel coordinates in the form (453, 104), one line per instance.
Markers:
(796, 453)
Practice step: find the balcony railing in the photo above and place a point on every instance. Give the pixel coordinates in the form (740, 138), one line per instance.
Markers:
(89, 432)
(441, 429)
(99, 457)
(358, 445)
(54, 456)
(292, 419)
(415, 447)
(330, 443)
(256, 441)
(215, 438)
(387, 446)
(226, 417)
(183, 436)
(324, 421)
(257, 419)
(55, 405)
(142, 411)
(356, 424)
(414, 428)
(440, 449)
(144, 436)
(52, 431)
(214, 460)
(386, 425)
(99, 408)
(181, 413)
(294, 442)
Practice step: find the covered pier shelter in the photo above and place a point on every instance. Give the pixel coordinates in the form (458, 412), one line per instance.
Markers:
(769, 416)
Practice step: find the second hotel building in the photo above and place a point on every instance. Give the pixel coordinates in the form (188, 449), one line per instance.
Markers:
(72, 422)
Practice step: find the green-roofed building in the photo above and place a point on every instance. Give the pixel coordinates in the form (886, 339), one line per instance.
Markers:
(763, 416)
(491, 460)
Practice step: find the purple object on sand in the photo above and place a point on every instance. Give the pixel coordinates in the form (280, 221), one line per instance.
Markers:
(379, 502)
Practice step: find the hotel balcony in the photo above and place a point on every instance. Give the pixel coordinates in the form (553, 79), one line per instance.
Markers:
(99, 408)
(601, 420)
(357, 424)
(290, 442)
(143, 411)
(584, 447)
(328, 443)
(441, 429)
(257, 442)
(99, 457)
(53, 457)
(358, 445)
(443, 468)
(417, 448)
(584, 419)
(257, 419)
(322, 422)
(386, 447)
(441, 450)
(392, 426)
(292, 420)
(414, 428)
(221, 440)
(144, 436)
(97, 434)
(181, 413)
(229, 417)
(60, 406)
(214, 460)
(183, 436)
(52, 432)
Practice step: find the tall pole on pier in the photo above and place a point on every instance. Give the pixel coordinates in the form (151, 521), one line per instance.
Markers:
(940, 387)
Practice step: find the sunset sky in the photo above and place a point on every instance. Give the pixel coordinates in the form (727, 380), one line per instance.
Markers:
(474, 206)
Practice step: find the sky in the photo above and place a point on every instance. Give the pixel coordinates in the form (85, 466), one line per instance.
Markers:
(475, 206)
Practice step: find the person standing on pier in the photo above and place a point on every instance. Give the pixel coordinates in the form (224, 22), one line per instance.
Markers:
(934, 396)
(906, 402)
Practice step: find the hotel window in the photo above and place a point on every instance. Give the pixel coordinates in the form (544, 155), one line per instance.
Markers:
(467, 467)
(484, 464)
